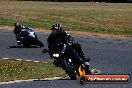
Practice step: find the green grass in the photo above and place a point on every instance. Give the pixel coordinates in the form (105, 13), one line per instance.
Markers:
(21, 70)
(74, 16)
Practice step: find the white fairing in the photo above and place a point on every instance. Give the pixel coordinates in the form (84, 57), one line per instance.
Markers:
(31, 34)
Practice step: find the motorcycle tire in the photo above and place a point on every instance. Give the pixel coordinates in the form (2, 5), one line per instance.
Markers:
(70, 69)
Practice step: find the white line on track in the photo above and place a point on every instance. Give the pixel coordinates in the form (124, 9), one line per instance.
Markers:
(5, 58)
(30, 80)
(22, 60)
(19, 59)
(36, 61)
(28, 60)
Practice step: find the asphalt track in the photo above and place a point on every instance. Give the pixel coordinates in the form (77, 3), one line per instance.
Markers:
(110, 55)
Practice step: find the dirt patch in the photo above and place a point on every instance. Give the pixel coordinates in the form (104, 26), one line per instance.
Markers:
(6, 28)
(70, 32)
(35, 29)
(98, 34)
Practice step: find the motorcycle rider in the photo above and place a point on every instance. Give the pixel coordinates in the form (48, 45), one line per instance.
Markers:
(59, 35)
(17, 31)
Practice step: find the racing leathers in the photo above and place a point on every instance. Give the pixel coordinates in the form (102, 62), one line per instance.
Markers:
(17, 32)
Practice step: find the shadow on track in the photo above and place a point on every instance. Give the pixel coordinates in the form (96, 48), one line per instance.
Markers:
(24, 47)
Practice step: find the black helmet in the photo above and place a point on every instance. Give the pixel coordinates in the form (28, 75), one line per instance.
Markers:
(56, 27)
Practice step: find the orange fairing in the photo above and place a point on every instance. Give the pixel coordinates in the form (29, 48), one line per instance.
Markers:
(81, 71)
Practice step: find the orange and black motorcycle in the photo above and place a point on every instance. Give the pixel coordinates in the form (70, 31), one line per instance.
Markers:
(66, 57)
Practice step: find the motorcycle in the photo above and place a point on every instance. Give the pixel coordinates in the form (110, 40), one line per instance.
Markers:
(66, 57)
(27, 37)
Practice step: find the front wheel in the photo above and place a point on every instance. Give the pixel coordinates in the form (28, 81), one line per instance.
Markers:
(70, 69)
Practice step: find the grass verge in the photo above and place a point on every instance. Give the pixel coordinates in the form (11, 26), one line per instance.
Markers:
(21, 70)
(108, 18)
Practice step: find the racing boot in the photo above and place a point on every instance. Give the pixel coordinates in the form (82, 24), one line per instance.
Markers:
(18, 42)
(86, 67)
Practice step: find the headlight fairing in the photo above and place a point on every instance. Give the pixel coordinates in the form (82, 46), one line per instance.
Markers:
(56, 55)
